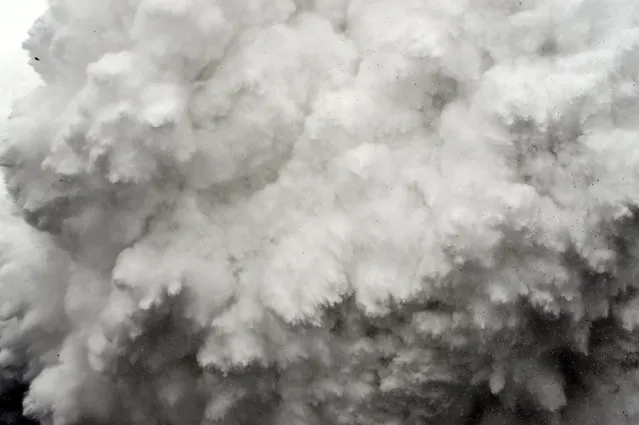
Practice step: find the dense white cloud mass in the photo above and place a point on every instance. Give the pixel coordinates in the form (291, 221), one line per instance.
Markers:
(348, 212)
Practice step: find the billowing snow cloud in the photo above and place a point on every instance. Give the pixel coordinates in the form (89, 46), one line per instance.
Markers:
(386, 212)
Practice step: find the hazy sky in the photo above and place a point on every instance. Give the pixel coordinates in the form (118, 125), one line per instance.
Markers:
(15, 75)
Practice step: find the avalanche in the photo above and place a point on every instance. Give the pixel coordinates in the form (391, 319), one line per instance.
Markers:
(348, 212)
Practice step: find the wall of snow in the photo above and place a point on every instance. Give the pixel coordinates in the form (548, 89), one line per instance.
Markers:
(380, 212)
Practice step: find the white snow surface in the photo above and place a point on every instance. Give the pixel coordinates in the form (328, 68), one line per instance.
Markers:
(300, 212)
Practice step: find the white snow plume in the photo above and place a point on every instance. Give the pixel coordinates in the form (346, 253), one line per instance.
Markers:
(337, 212)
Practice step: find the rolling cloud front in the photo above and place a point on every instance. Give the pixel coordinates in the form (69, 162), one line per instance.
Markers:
(313, 212)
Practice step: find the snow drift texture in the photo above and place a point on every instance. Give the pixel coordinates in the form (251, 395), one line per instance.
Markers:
(313, 212)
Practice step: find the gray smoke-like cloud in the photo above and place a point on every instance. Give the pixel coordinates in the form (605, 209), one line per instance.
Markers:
(380, 212)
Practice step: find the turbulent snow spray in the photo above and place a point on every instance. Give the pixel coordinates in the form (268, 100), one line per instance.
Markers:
(325, 212)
